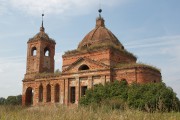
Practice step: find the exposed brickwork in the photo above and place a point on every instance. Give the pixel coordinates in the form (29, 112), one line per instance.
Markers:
(88, 65)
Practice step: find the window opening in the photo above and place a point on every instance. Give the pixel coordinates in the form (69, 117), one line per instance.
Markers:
(48, 88)
(57, 91)
(46, 52)
(72, 94)
(83, 67)
(33, 51)
(83, 90)
(40, 93)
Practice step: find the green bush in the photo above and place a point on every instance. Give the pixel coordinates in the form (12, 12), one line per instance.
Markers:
(112, 94)
(147, 97)
(11, 100)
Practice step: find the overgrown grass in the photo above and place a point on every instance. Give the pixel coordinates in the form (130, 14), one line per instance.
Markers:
(43, 75)
(101, 46)
(79, 113)
(124, 65)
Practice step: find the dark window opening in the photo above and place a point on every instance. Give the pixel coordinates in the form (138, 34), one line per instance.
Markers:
(57, 91)
(154, 81)
(48, 88)
(72, 95)
(33, 51)
(29, 96)
(124, 81)
(83, 67)
(83, 90)
(46, 52)
(40, 93)
(123, 47)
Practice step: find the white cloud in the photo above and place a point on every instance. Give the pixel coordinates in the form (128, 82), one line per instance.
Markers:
(155, 42)
(3, 7)
(69, 7)
(1, 70)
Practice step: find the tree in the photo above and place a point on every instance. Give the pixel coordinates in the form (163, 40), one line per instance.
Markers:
(2, 101)
(13, 100)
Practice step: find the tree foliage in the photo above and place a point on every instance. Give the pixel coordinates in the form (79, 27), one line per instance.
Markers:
(11, 100)
(148, 97)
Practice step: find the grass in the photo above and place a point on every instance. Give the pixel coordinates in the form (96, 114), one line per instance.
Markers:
(45, 75)
(124, 65)
(98, 47)
(79, 113)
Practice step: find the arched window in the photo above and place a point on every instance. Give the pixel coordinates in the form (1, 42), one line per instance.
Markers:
(33, 51)
(83, 67)
(29, 96)
(57, 91)
(48, 95)
(46, 52)
(40, 93)
(124, 81)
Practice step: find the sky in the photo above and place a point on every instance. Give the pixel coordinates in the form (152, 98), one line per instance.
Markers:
(148, 28)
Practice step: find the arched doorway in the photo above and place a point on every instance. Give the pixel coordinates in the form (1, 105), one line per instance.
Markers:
(48, 88)
(57, 91)
(29, 96)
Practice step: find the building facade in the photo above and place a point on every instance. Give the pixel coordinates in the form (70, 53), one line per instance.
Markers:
(99, 58)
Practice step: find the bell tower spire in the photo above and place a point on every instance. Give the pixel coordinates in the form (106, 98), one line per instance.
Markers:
(100, 10)
(100, 20)
(42, 26)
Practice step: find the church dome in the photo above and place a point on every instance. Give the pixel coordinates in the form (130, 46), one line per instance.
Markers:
(99, 35)
(41, 36)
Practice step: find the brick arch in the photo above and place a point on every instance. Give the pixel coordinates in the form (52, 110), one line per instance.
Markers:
(29, 96)
(46, 51)
(33, 51)
(57, 93)
(48, 93)
(83, 67)
(125, 80)
(41, 93)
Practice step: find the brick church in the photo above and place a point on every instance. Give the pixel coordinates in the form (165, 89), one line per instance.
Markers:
(99, 58)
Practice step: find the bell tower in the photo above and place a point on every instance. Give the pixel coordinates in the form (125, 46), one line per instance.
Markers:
(40, 54)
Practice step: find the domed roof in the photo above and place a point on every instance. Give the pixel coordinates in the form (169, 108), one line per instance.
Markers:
(100, 34)
(41, 36)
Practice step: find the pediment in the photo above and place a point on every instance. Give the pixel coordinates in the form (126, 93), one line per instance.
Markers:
(91, 64)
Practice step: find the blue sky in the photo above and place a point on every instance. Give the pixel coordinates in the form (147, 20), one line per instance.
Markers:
(148, 28)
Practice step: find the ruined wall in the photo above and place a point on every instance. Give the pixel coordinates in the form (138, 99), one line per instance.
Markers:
(118, 57)
(137, 74)
(35, 85)
(102, 56)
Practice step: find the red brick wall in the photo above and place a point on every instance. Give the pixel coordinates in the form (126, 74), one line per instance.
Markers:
(117, 57)
(102, 56)
(137, 74)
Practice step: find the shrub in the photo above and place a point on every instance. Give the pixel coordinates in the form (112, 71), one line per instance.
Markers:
(111, 94)
(148, 97)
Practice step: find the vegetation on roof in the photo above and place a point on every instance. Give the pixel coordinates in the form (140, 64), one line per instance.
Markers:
(42, 37)
(98, 47)
(127, 65)
(45, 74)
